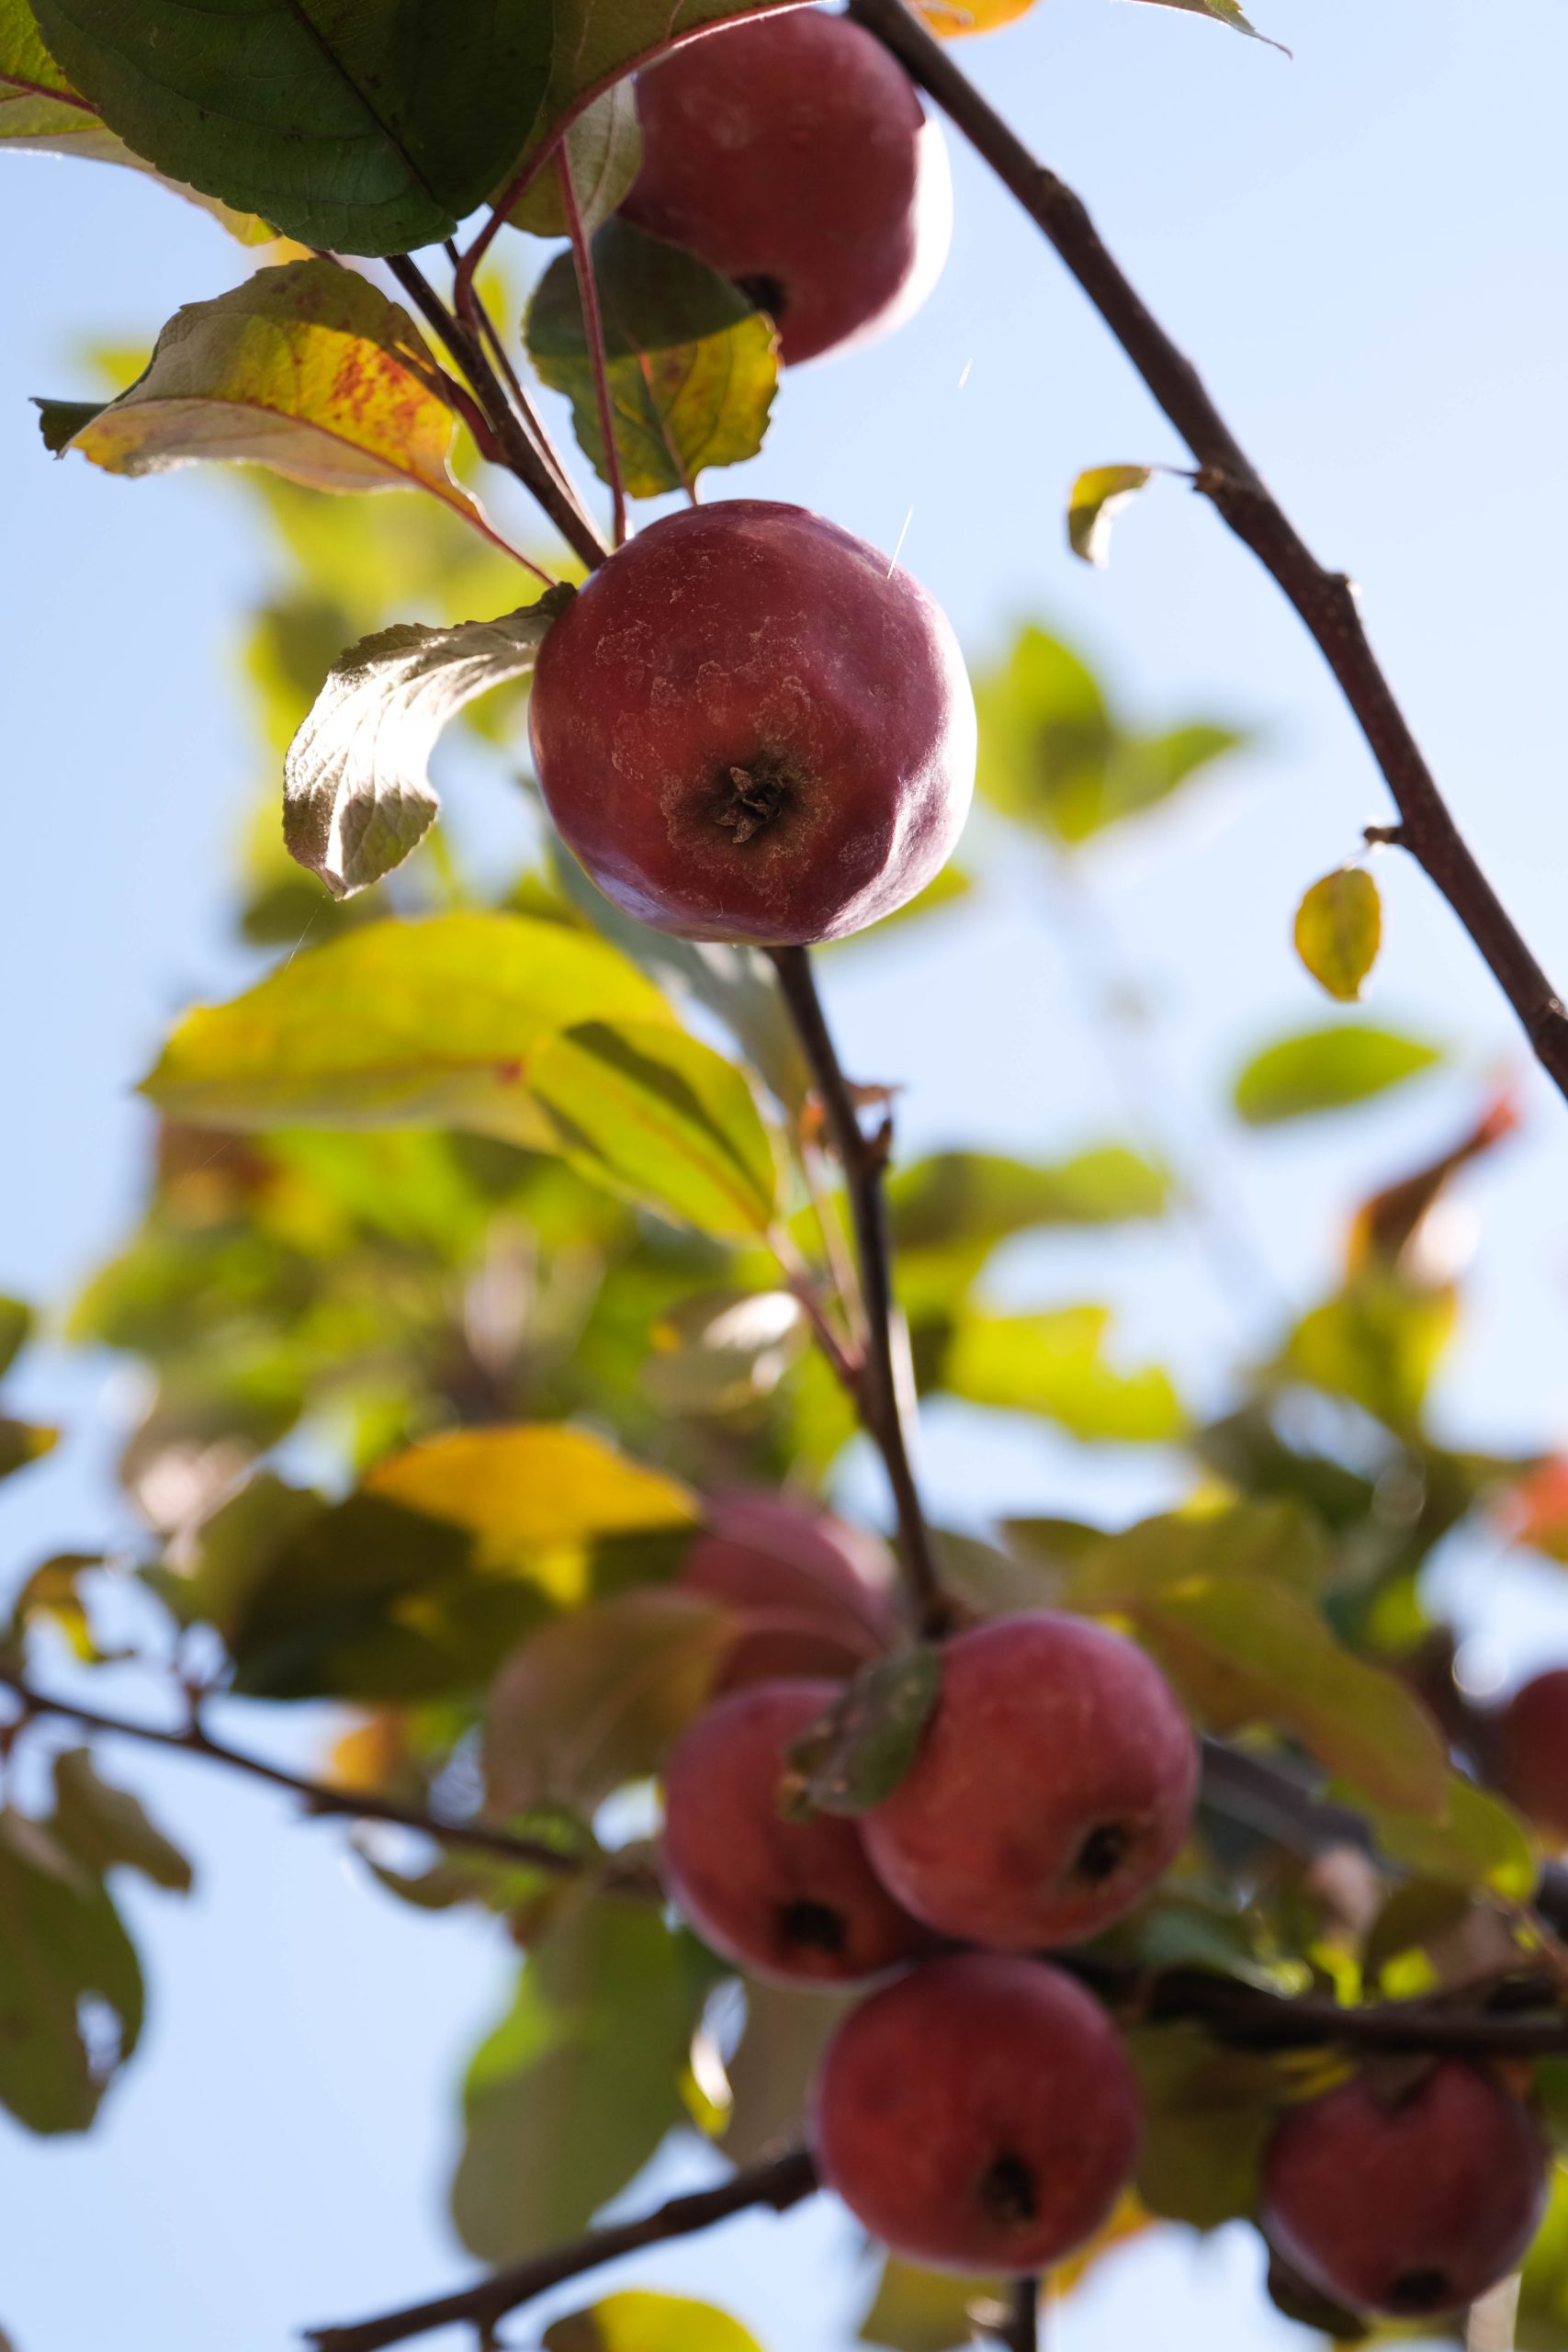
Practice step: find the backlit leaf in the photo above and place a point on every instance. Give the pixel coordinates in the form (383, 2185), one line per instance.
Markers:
(924, 2311)
(15, 1323)
(948, 20)
(1093, 502)
(356, 795)
(1324, 1070)
(1338, 931)
(365, 130)
(856, 1754)
(1476, 1842)
(643, 2322)
(661, 1119)
(305, 368)
(1224, 12)
(774, 2063)
(572, 2092)
(603, 148)
(1053, 1364)
(692, 367)
(61, 1944)
(968, 1197)
(520, 1490)
(598, 1698)
(400, 1024)
(22, 1443)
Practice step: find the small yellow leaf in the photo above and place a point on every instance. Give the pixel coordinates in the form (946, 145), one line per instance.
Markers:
(950, 19)
(1339, 930)
(1092, 502)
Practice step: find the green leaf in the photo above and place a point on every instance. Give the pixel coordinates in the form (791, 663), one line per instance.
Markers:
(357, 795)
(575, 2089)
(1095, 498)
(642, 2322)
(964, 1197)
(400, 1024)
(1324, 1069)
(366, 131)
(661, 1119)
(16, 1324)
(924, 2311)
(692, 367)
(859, 1750)
(1339, 930)
(530, 1488)
(1207, 2115)
(61, 1942)
(1052, 1365)
(774, 2064)
(107, 1828)
(603, 148)
(1476, 1842)
(1270, 1542)
(305, 369)
(598, 1699)
(22, 1443)
(1226, 12)
(52, 1593)
(724, 1352)
(1378, 1342)
(597, 42)
(1542, 2324)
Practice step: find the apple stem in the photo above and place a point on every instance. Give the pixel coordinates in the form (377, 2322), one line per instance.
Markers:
(880, 1391)
(1020, 2332)
(593, 336)
(1325, 600)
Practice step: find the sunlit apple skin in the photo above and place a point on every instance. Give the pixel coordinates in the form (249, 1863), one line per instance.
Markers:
(1530, 1746)
(978, 2115)
(1407, 2209)
(818, 1595)
(1054, 1784)
(790, 1900)
(792, 154)
(748, 725)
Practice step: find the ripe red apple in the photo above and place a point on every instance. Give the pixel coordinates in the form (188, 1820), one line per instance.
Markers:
(793, 153)
(1529, 1748)
(748, 725)
(978, 2115)
(1053, 1785)
(816, 1596)
(1408, 2207)
(789, 1900)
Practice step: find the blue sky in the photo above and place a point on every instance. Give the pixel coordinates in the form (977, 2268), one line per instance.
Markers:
(1367, 250)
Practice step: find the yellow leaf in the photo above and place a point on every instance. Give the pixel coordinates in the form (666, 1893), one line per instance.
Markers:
(1339, 930)
(531, 1487)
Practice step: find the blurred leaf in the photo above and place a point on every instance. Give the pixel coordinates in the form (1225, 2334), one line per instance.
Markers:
(643, 2322)
(1094, 500)
(357, 795)
(1270, 1542)
(1475, 1842)
(857, 1752)
(1378, 1342)
(572, 2092)
(725, 1352)
(692, 365)
(603, 148)
(1053, 753)
(1207, 2114)
(1392, 1228)
(228, 1553)
(973, 1196)
(1224, 12)
(945, 888)
(774, 2063)
(52, 1593)
(400, 1024)
(62, 1947)
(107, 1828)
(1323, 1069)
(1052, 1365)
(1543, 2321)
(662, 1120)
(924, 2311)
(23, 1441)
(16, 1324)
(305, 368)
(950, 19)
(1339, 930)
(529, 1489)
(362, 131)
(597, 1699)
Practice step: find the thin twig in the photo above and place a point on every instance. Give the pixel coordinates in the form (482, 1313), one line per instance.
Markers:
(472, 309)
(862, 1158)
(517, 451)
(784, 2182)
(593, 337)
(1325, 600)
(319, 1796)
(1020, 2330)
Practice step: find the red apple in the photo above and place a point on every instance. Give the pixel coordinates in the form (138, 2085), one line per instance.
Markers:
(789, 1900)
(1530, 1746)
(810, 1595)
(793, 153)
(1054, 1784)
(1409, 2206)
(749, 725)
(978, 2115)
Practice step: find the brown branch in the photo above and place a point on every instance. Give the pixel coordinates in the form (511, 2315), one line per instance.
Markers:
(517, 452)
(862, 1157)
(470, 307)
(784, 2182)
(1020, 2332)
(593, 337)
(1325, 600)
(318, 1796)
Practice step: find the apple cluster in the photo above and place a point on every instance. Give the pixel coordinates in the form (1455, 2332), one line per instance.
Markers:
(977, 2111)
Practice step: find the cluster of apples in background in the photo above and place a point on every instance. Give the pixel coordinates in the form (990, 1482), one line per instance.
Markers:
(975, 2112)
